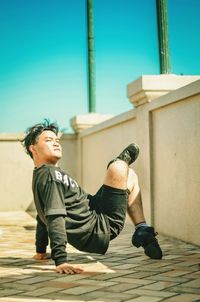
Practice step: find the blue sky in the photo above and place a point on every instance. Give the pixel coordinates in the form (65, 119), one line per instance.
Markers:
(43, 65)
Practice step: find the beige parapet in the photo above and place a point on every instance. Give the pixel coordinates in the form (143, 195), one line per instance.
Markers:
(15, 173)
(149, 87)
(167, 129)
(84, 121)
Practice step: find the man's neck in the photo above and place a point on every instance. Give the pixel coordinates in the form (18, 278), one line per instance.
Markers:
(38, 163)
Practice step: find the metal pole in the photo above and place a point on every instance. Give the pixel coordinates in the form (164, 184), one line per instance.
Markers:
(163, 36)
(91, 65)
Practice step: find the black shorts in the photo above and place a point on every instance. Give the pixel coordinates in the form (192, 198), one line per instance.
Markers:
(112, 203)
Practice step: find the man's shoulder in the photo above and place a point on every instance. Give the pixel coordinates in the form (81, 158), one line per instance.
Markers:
(53, 172)
(48, 171)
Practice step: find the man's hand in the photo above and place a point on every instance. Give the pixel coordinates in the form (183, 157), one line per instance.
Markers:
(42, 256)
(65, 268)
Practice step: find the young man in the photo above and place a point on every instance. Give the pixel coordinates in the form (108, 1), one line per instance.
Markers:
(66, 213)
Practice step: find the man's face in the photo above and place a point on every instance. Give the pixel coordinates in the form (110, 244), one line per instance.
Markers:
(47, 149)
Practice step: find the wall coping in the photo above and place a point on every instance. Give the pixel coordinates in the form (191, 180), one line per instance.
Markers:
(172, 97)
(178, 95)
(11, 136)
(123, 117)
(83, 121)
(149, 87)
(16, 137)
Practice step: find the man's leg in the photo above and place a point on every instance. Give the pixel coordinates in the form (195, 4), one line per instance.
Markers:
(117, 175)
(135, 208)
(144, 235)
(120, 176)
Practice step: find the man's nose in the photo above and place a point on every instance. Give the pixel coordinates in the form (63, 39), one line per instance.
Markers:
(56, 143)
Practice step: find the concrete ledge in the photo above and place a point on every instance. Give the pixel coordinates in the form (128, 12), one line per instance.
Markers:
(149, 87)
(84, 121)
(121, 118)
(178, 95)
(11, 136)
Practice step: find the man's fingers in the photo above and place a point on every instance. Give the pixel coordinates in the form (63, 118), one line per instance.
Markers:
(79, 270)
(69, 271)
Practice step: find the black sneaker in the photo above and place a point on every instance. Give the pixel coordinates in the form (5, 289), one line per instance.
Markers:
(129, 154)
(145, 236)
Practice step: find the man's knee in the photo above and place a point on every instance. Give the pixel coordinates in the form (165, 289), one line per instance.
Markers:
(133, 175)
(132, 179)
(118, 167)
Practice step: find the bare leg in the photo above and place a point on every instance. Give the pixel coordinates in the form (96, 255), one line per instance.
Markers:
(144, 235)
(117, 175)
(135, 208)
(120, 176)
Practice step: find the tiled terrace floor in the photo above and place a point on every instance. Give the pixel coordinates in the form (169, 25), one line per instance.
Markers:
(123, 274)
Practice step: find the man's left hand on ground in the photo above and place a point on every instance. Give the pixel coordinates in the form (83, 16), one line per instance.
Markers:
(65, 268)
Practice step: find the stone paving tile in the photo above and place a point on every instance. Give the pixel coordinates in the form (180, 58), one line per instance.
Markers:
(194, 275)
(17, 286)
(5, 280)
(184, 298)
(97, 283)
(108, 296)
(79, 290)
(15, 299)
(182, 289)
(124, 273)
(128, 279)
(62, 297)
(175, 273)
(121, 287)
(108, 276)
(8, 291)
(145, 299)
(154, 293)
(159, 277)
(141, 275)
(33, 280)
(40, 291)
(58, 284)
(160, 285)
(193, 284)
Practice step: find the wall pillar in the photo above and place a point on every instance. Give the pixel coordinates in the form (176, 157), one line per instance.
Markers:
(140, 93)
(149, 87)
(84, 121)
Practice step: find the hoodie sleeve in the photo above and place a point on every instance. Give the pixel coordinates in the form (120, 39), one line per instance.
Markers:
(41, 240)
(55, 213)
(58, 238)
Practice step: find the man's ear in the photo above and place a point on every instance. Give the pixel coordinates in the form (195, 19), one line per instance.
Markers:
(32, 149)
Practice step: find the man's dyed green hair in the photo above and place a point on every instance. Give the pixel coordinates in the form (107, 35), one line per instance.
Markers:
(33, 132)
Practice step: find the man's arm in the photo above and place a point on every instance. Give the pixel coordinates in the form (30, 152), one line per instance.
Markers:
(41, 241)
(58, 241)
(58, 238)
(51, 191)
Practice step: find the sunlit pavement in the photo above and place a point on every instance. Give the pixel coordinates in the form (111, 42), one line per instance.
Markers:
(124, 273)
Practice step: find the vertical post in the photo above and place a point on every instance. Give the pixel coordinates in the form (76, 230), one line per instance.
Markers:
(91, 65)
(163, 36)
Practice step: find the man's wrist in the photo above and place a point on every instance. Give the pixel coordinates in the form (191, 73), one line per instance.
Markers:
(60, 261)
(40, 250)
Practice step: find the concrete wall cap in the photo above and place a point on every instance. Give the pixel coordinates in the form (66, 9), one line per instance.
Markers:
(84, 121)
(149, 87)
